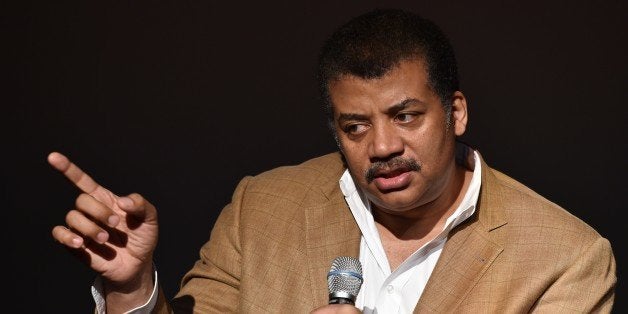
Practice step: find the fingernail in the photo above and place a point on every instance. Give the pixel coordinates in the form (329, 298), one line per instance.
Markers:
(102, 237)
(113, 220)
(125, 202)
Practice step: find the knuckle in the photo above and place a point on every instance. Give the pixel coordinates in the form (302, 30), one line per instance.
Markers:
(81, 199)
(56, 232)
(69, 216)
(138, 199)
(73, 217)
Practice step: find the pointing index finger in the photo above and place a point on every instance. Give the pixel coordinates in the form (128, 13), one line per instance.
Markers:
(77, 176)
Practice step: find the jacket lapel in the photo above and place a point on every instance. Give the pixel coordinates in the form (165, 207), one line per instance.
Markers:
(331, 231)
(468, 253)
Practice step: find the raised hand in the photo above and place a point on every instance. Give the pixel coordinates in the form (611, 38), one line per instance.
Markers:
(114, 235)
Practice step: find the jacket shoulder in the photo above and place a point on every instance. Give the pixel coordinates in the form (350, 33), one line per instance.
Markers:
(317, 177)
(528, 207)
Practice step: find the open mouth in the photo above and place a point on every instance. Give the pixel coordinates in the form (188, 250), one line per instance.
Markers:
(392, 174)
(393, 179)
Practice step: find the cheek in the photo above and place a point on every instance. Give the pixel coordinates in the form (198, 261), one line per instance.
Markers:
(357, 159)
(428, 148)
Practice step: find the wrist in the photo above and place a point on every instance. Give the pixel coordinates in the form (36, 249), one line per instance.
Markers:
(121, 297)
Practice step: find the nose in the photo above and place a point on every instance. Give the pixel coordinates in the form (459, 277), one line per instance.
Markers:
(385, 142)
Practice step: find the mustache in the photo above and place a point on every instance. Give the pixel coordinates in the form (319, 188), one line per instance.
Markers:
(393, 163)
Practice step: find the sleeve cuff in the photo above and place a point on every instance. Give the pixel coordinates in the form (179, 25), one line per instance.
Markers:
(146, 308)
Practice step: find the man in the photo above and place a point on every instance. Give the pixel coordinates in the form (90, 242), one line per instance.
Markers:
(434, 227)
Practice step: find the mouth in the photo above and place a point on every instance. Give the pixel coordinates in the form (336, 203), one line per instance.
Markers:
(393, 179)
(390, 173)
(393, 174)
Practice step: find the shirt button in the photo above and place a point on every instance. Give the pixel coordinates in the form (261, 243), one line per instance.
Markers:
(390, 289)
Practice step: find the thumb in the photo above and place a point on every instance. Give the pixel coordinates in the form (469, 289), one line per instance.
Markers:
(136, 205)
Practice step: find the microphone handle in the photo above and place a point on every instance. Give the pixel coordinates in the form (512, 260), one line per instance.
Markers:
(340, 300)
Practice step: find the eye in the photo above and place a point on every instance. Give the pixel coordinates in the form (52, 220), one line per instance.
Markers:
(405, 117)
(354, 128)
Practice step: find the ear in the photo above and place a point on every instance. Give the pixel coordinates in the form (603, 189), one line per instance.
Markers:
(459, 113)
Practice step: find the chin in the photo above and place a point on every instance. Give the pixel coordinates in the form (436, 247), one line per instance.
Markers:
(396, 201)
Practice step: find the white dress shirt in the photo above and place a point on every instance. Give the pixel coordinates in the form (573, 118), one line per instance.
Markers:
(387, 292)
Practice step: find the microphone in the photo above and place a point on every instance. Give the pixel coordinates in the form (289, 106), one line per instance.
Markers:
(344, 280)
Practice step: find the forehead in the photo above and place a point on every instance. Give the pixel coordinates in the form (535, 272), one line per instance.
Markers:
(406, 80)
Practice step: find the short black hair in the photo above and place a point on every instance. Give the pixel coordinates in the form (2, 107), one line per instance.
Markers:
(370, 45)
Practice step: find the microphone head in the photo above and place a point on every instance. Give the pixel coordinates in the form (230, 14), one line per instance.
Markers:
(344, 280)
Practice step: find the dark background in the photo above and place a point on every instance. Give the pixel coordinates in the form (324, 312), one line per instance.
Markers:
(178, 100)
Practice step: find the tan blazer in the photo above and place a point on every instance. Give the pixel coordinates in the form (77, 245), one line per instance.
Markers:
(272, 246)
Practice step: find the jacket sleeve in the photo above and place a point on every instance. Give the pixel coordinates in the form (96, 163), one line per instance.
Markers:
(587, 286)
(213, 283)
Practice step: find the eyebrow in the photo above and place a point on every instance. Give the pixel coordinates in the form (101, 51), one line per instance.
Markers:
(351, 117)
(391, 110)
(402, 105)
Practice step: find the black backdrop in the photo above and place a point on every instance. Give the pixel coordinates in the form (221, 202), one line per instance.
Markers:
(178, 100)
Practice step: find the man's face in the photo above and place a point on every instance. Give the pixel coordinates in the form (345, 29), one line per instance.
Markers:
(394, 135)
